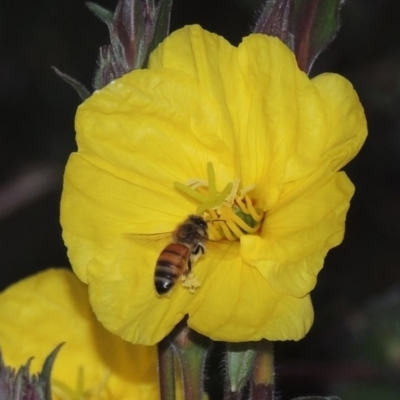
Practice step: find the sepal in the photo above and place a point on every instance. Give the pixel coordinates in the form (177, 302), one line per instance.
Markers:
(314, 25)
(161, 26)
(275, 21)
(103, 14)
(137, 27)
(240, 361)
(305, 26)
(21, 385)
(79, 87)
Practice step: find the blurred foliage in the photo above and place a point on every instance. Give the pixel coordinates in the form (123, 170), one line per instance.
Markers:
(341, 355)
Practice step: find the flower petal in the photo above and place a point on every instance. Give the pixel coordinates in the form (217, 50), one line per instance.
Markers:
(52, 307)
(347, 129)
(237, 304)
(243, 304)
(277, 123)
(123, 294)
(255, 116)
(132, 147)
(296, 235)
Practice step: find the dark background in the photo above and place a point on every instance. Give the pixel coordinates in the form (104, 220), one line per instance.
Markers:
(353, 349)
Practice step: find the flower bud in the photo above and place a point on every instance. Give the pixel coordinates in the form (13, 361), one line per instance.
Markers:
(20, 385)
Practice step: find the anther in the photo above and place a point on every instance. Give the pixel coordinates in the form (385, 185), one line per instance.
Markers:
(229, 213)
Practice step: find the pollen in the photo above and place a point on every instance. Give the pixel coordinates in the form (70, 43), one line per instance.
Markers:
(190, 282)
(230, 213)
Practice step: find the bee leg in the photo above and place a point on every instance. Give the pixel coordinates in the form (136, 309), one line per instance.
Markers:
(199, 249)
(189, 266)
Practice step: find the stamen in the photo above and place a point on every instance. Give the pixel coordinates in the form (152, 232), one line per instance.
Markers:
(229, 213)
(231, 197)
(228, 233)
(234, 228)
(249, 209)
(247, 189)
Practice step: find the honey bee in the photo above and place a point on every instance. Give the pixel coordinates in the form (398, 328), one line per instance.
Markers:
(175, 261)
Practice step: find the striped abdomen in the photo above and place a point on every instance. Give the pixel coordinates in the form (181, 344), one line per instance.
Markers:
(173, 262)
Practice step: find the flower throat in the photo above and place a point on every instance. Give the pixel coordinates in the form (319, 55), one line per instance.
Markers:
(230, 213)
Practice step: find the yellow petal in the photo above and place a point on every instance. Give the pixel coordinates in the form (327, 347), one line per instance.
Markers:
(296, 235)
(243, 304)
(347, 129)
(121, 180)
(236, 303)
(278, 124)
(51, 307)
(123, 294)
(255, 116)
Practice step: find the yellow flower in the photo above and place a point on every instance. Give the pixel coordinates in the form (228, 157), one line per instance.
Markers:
(237, 134)
(51, 307)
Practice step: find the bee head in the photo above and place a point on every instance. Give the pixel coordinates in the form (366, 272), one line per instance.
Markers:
(200, 223)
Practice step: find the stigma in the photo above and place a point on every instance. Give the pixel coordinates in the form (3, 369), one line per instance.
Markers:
(230, 212)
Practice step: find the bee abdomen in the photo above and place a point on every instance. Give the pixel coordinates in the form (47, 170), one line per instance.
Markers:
(171, 264)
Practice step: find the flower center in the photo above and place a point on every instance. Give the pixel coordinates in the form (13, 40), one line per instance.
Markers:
(229, 213)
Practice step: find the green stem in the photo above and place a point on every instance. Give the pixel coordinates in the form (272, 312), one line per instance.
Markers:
(191, 349)
(166, 369)
(233, 395)
(192, 369)
(263, 382)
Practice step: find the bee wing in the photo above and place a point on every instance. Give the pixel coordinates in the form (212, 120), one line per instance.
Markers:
(158, 241)
(155, 243)
(154, 237)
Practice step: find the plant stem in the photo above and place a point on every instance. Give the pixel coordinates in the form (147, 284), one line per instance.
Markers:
(263, 382)
(166, 369)
(191, 349)
(233, 395)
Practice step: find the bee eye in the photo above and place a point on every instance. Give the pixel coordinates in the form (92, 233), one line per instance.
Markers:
(203, 224)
